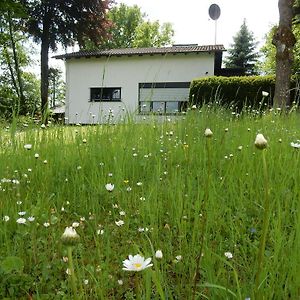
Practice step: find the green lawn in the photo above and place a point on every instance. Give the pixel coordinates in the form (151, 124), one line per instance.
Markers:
(206, 203)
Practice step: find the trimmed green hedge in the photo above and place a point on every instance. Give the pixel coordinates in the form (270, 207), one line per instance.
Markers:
(238, 91)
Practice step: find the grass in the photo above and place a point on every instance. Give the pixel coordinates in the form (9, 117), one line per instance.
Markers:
(162, 193)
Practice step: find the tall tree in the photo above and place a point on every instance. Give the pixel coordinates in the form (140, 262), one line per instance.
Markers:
(284, 40)
(268, 52)
(11, 48)
(131, 29)
(54, 21)
(242, 53)
(150, 34)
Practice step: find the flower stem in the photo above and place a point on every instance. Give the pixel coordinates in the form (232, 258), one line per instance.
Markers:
(266, 219)
(203, 220)
(72, 272)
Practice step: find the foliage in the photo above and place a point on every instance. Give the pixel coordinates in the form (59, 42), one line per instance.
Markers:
(9, 98)
(241, 91)
(131, 29)
(242, 53)
(56, 87)
(151, 34)
(268, 52)
(18, 89)
(160, 175)
(53, 21)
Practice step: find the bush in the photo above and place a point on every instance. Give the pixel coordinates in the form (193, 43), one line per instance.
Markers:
(238, 91)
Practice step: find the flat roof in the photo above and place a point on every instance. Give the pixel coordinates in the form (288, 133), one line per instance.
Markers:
(175, 49)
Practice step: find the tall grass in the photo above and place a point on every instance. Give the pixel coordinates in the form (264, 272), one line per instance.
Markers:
(159, 171)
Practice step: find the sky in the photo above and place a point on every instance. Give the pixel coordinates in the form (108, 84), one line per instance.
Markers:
(192, 25)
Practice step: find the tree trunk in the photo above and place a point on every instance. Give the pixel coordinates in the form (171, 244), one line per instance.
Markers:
(44, 72)
(284, 41)
(21, 104)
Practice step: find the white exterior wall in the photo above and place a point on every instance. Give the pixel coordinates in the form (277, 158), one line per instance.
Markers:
(125, 72)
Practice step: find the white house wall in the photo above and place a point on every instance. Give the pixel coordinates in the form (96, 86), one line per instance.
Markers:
(125, 72)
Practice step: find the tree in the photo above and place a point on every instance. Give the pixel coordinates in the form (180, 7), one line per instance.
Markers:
(242, 53)
(54, 21)
(284, 40)
(130, 29)
(56, 87)
(13, 56)
(268, 53)
(151, 34)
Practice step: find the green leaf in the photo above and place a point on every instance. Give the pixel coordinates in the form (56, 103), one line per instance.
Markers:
(12, 263)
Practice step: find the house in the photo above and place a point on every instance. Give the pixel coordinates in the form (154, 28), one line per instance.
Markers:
(108, 85)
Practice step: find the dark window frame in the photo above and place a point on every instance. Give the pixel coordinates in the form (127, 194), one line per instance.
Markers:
(182, 105)
(105, 94)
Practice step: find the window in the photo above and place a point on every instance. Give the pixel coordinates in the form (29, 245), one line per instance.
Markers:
(163, 97)
(105, 94)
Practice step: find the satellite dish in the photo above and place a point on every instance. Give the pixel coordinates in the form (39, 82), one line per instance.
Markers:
(214, 11)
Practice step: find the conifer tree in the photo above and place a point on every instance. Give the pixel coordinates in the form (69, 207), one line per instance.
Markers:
(242, 54)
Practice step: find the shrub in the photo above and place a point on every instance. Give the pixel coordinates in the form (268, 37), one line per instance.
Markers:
(238, 91)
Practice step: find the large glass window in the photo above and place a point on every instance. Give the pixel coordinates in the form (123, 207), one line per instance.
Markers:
(105, 94)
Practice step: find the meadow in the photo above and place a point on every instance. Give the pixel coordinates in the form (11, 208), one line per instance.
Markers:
(218, 217)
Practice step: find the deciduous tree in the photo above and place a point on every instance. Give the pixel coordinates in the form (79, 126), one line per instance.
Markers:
(284, 40)
(268, 53)
(51, 22)
(131, 29)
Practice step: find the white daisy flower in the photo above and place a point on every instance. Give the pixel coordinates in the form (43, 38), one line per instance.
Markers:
(109, 187)
(136, 263)
(228, 255)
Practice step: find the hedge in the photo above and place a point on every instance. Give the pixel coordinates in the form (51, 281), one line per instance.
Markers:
(239, 91)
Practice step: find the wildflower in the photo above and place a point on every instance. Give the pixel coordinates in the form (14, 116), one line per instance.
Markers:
(70, 236)
(158, 254)
(240, 148)
(6, 218)
(109, 187)
(208, 133)
(75, 224)
(228, 255)
(120, 282)
(84, 141)
(122, 213)
(21, 221)
(260, 142)
(46, 224)
(265, 94)
(86, 281)
(22, 213)
(31, 219)
(36, 155)
(119, 223)
(27, 146)
(100, 231)
(139, 183)
(43, 126)
(178, 258)
(194, 106)
(68, 271)
(295, 145)
(45, 161)
(226, 129)
(136, 263)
